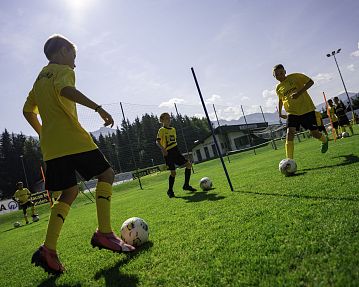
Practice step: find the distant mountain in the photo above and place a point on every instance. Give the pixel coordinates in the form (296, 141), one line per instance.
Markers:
(271, 118)
(343, 97)
(105, 131)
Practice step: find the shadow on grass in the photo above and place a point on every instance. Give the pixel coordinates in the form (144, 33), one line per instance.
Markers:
(201, 196)
(301, 196)
(348, 159)
(114, 277)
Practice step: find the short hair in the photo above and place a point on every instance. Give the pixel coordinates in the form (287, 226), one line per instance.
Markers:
(336, 98)
(277, 67)
(163, 115)
(20, 182)
(330, 101)
(55, 43)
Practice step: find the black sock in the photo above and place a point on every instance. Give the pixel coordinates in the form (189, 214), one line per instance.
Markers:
(171, 182)
(187, 176)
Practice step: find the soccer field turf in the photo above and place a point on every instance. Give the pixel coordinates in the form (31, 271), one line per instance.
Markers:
(271, 231)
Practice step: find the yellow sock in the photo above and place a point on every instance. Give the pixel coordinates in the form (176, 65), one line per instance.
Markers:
(103, 206)
(59, 211)
(323, 139)
(289, 149)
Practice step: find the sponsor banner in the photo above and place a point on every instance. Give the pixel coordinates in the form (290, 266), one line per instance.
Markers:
(8, 206)
(147, 171)
(39, 197)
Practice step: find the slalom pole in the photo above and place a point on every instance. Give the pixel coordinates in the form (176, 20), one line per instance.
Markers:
(330, 118)
(43, 178)
(220, 130)
(212, 131)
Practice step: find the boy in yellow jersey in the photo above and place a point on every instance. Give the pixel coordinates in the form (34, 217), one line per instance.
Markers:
(293, 95)
(67, 148)
(340, 111)
(22, 196)
(167, 142)
(320, 124)
(333, 117)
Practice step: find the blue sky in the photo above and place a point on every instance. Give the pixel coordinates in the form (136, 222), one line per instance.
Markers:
(140, 52)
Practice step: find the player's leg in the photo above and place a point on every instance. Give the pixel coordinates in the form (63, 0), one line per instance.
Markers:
(187, 177)
(171, 182)
(289, 144)
(309, 122)
(24, 211)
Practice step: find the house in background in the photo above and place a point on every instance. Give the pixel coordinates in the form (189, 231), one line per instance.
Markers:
(229, 138)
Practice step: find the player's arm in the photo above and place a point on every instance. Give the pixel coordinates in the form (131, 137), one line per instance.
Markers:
(33, 120)
(280, 106)
(158, 143)
(303, 89)
(76, 96)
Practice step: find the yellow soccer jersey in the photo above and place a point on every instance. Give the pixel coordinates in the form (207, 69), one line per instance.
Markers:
(167, 137)
(333, 116)
(61, 132)
(293, 83)
(22, 195)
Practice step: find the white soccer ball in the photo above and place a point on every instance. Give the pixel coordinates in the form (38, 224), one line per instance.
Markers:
(35, 218)
(345, 134)
(17, 224)
(135, 231)
(287, 166)
(205, 183)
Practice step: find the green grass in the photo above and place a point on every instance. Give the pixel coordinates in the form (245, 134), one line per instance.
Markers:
(271, 231)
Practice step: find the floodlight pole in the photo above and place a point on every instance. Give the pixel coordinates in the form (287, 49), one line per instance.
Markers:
(341, 77)
(23, 168)
(211, 128)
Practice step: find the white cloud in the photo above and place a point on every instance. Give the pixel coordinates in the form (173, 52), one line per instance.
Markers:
(322, 78)
(355, 53)
(170, 103)
(245, 98)
(271, 100)
(351, 67)
(213, 99)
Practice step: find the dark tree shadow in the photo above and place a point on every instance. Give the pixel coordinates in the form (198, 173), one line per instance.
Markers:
(113, 275)
(201, 196)
(51, 282)
(348, 159)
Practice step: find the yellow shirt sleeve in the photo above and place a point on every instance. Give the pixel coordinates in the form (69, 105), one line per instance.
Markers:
(64, 78)
(30, 104)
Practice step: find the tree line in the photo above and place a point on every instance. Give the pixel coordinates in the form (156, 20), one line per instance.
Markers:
(131, 146)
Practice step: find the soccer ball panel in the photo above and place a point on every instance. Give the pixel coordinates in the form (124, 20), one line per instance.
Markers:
(287, 166)
(135, 231)
(205, 183)
(17, 224)
(345, 134)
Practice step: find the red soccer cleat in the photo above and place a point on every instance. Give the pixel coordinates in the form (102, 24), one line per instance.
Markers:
(48, 260)
(110, 241)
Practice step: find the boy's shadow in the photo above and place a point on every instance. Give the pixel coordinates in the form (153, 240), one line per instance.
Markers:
(201, 196)
(348, 159)
(114, 277)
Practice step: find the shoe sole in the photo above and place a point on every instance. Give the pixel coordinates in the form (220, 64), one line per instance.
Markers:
(36, 260)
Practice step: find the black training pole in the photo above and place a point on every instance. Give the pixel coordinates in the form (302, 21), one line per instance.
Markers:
(212, 131)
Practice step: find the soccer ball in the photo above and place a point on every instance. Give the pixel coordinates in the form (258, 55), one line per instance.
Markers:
(135, 231)
(345, 134)
(17, 224)
(35, 218)
(205, 183)
(287, 166)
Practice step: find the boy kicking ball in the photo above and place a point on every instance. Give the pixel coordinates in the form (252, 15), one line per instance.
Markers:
(68, 148)
(167, 142)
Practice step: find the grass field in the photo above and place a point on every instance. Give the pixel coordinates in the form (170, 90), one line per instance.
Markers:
(271, 231)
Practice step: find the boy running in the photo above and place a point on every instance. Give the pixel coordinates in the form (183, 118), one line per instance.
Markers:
(340, 111)
(293, 95)
(22, 196)
(67, 148)
(167, 142)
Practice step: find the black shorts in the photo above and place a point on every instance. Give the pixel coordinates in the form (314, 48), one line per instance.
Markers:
(336, 125)
(26, 205)
(343, 121)
(61, 172)
(308, 121)
(173, 158)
